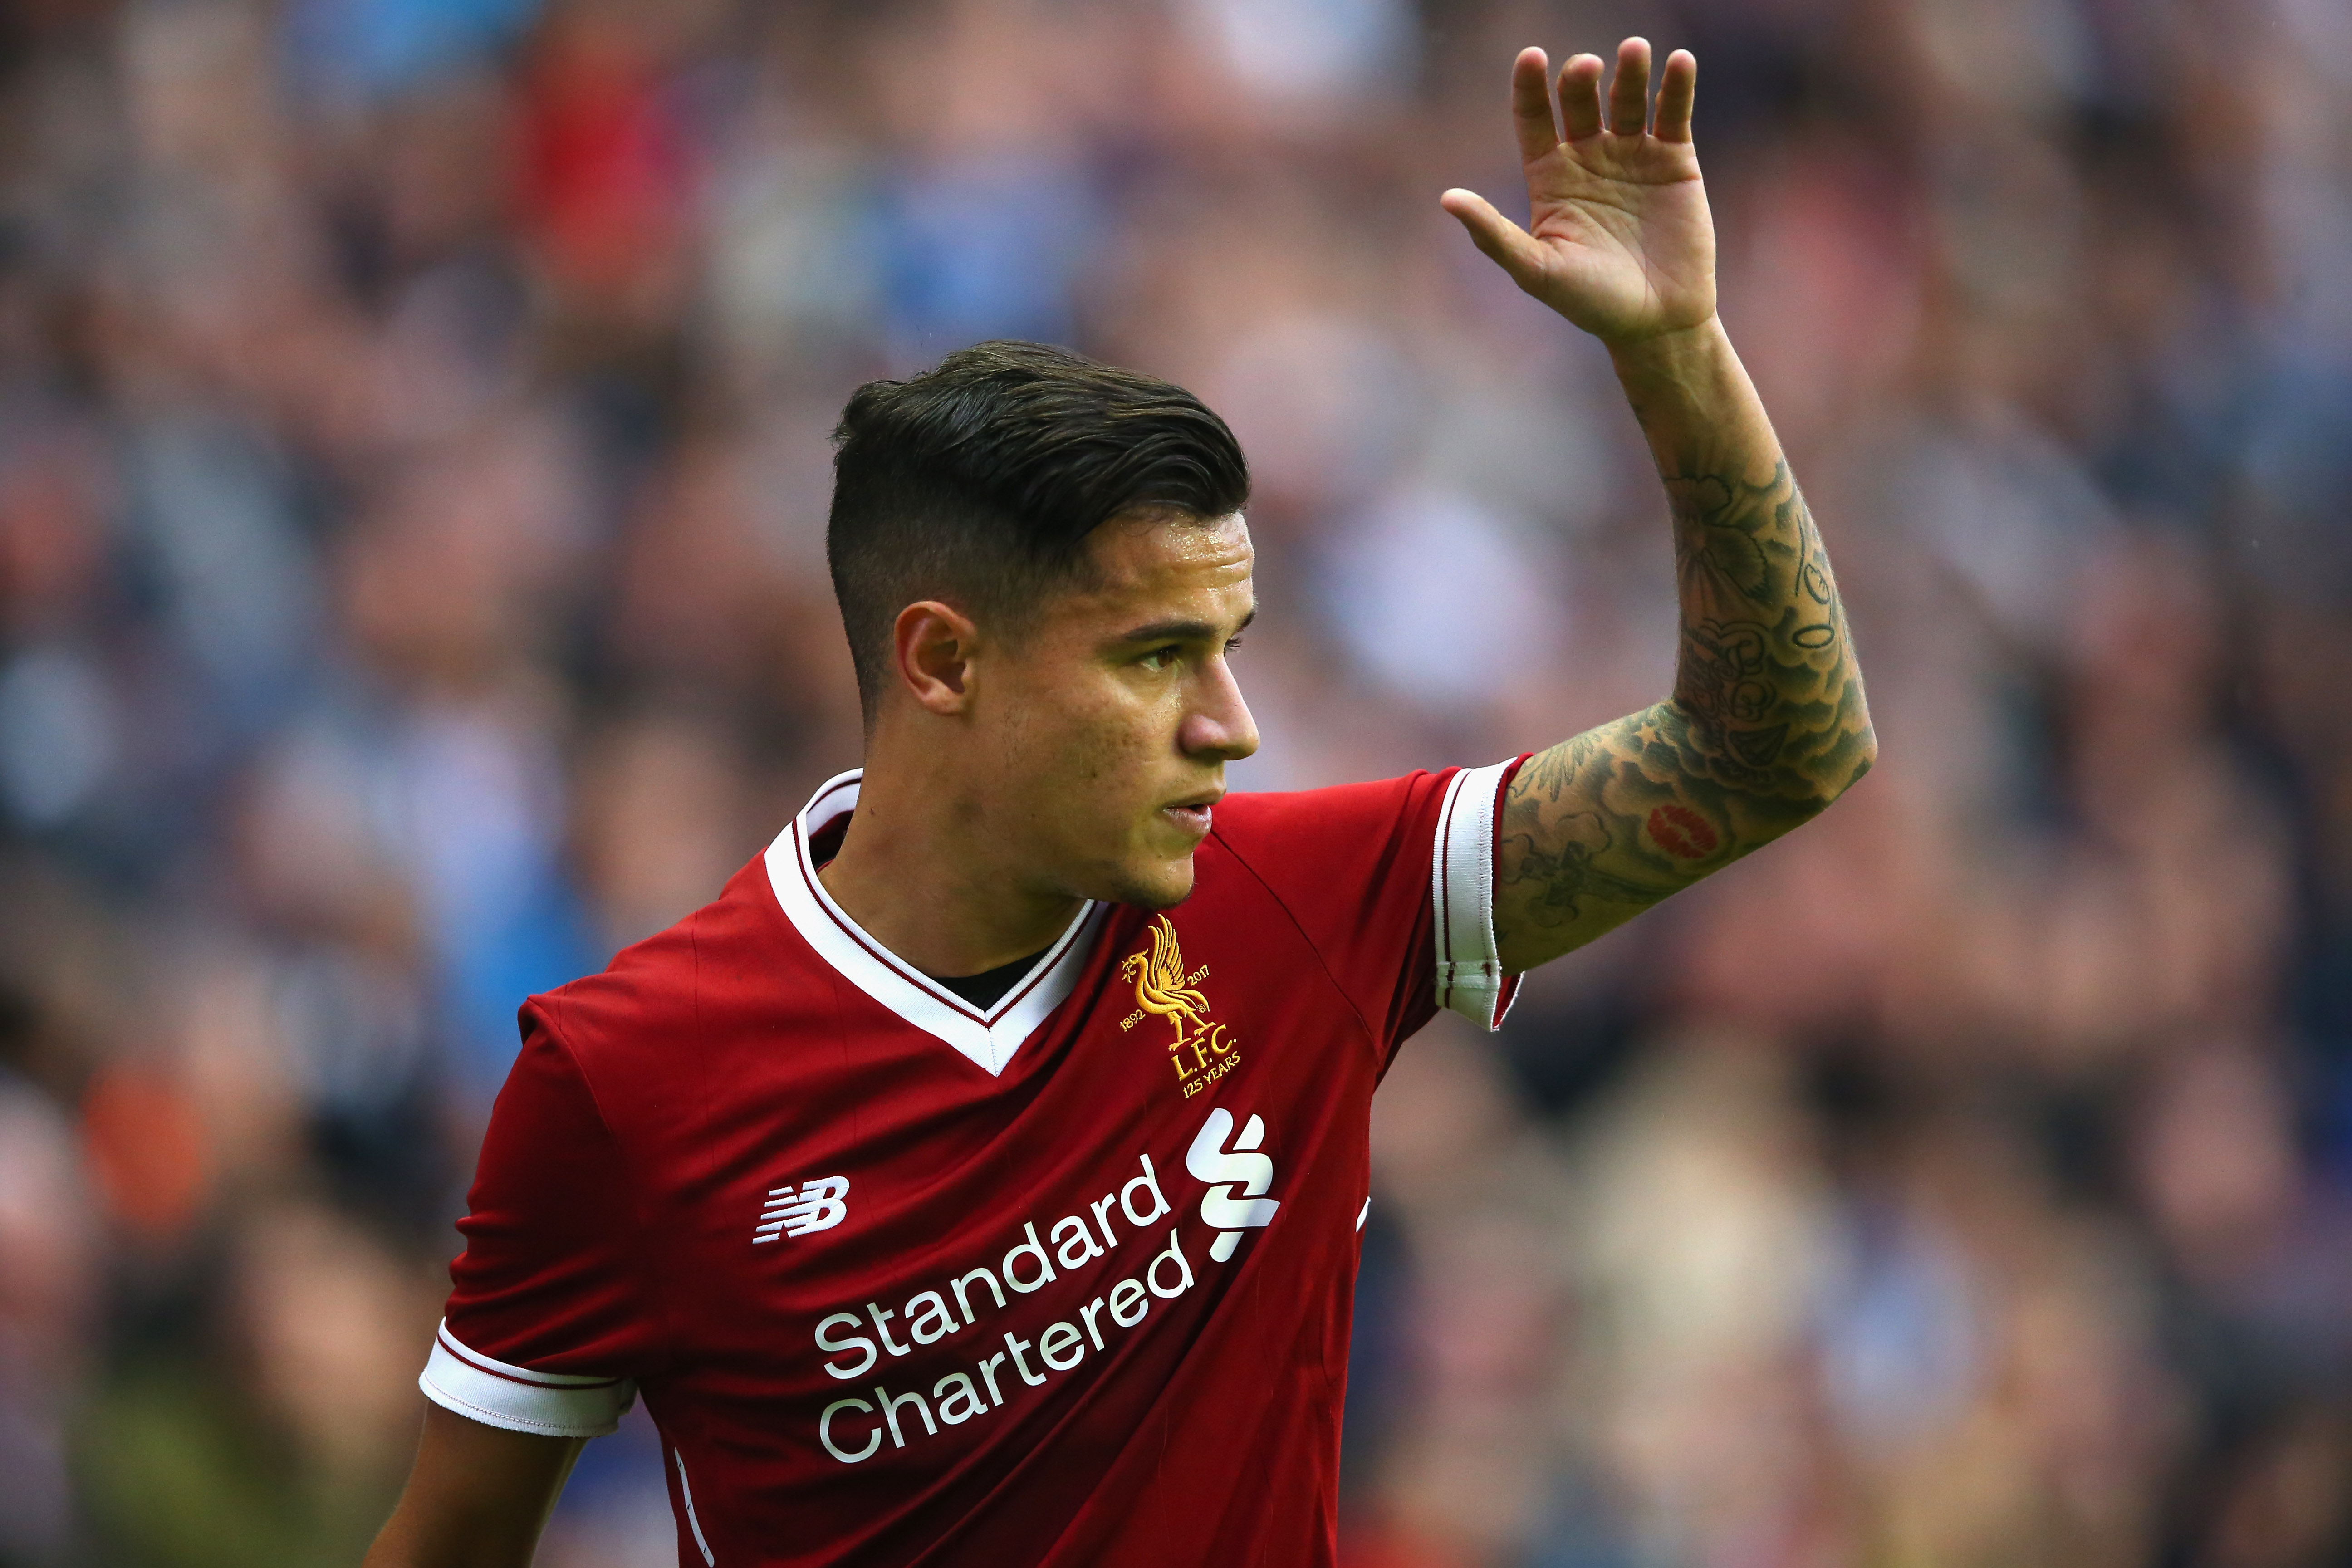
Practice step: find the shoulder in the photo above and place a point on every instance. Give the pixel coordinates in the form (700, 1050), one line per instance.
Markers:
(1315, 830)
(1244, 820)
(735, 958)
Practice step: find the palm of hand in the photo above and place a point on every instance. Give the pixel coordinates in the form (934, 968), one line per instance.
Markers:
(1618, 239)
(1628, 247)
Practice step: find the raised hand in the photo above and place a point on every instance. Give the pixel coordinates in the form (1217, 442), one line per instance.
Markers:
(1766, 723)
(1618, 239)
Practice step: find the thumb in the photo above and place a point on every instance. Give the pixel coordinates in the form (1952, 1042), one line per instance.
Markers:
(1512, 248)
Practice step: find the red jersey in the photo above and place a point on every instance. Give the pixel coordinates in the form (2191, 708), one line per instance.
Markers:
(1066, 1280)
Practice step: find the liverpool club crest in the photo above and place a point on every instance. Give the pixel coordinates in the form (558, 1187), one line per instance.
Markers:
(1200, 1052)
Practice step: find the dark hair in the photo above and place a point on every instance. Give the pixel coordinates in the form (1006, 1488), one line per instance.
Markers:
(977, 482)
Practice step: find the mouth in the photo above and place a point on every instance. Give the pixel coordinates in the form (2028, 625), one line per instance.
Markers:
(1193, 815)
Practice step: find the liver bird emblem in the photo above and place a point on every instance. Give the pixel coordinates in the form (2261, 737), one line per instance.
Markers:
(1159, 977)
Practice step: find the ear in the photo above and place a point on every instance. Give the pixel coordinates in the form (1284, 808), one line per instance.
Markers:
(932, 645)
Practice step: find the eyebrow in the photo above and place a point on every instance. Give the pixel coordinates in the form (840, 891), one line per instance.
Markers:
(1182, 631)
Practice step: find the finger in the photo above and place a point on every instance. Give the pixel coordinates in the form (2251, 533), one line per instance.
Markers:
(1629, 95)
(1580, 97)
(1511, 247)
(1531, 105)
(1677, 91)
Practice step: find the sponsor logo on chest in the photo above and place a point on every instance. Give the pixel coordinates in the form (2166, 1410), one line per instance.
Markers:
(819, 1205)
(1121, 1227)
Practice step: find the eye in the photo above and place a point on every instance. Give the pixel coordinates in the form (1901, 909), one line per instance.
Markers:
(1232, 643)
(1161, 658)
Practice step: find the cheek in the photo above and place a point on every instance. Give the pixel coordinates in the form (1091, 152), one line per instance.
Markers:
(1090, 764)
(1112, 763)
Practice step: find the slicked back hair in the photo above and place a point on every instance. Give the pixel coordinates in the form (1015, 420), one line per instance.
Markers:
(977, 482)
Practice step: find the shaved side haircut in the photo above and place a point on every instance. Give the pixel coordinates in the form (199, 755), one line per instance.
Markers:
(977, 481)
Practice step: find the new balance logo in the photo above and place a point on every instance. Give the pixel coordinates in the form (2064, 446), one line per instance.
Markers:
(816, 1205)
(1243, 1171)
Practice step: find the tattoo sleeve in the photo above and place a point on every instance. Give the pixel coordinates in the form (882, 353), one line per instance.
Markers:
(1766, 726)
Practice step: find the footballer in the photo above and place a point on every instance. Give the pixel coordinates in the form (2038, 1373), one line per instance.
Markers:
(980, 1179)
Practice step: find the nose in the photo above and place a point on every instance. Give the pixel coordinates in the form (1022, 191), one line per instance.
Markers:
(1217, 727)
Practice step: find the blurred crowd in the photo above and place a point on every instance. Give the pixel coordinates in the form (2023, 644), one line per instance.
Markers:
(412, 473)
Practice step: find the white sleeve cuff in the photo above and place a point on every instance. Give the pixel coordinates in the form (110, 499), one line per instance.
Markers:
(548, 1403)
(1470, 978)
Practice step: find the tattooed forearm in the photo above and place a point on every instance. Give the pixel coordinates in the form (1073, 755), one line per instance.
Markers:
(1766, 726)
(1766, 675)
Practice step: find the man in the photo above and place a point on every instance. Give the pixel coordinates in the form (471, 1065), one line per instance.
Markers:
(979, 1179)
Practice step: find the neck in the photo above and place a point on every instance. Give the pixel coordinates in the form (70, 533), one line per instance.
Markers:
(922, 874)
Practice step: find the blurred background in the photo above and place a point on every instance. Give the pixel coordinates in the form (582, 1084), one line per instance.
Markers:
(412, 471)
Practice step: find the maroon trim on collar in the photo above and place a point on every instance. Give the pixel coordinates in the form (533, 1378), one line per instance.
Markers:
(1047, 962)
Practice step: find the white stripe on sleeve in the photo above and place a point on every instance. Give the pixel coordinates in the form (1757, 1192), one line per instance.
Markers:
(548, 1404)
(685, 1490)
(1470, 978)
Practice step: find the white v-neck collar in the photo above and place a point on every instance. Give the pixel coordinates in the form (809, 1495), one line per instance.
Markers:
(987, 1036)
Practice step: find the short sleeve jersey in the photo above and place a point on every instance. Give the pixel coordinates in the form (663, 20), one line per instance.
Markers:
(1066, 1279)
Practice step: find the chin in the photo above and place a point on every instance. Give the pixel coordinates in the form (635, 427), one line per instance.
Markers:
(1155, 887)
